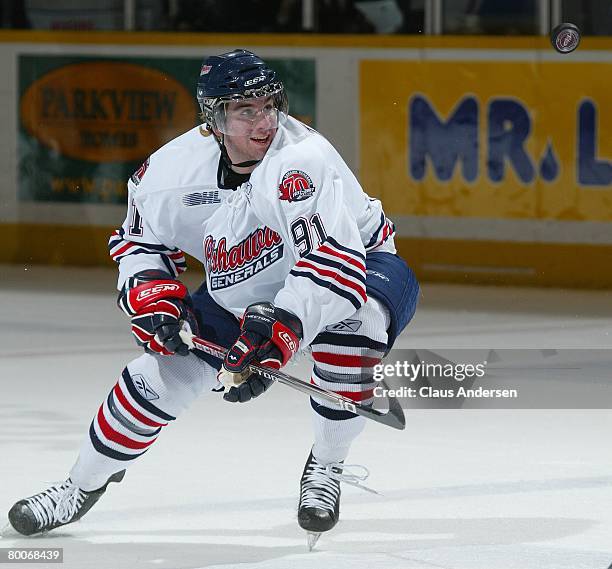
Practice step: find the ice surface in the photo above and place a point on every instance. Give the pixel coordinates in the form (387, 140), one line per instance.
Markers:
(461, 489)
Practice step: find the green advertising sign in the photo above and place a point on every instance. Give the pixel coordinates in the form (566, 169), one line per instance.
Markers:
(86, 123)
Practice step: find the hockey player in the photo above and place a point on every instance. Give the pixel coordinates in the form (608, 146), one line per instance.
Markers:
(296, 256)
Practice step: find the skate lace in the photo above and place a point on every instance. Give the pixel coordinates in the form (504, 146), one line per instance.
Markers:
(321, 483)
(58, 504)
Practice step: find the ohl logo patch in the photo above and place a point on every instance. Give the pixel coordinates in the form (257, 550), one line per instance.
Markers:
(296, 186)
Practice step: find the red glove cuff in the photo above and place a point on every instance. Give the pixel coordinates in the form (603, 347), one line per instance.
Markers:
(285, 339)
(150, 292)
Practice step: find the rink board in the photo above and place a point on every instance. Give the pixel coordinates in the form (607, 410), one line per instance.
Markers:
(490, 154)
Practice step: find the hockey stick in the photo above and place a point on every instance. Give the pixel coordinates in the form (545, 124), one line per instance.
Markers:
(394, 417)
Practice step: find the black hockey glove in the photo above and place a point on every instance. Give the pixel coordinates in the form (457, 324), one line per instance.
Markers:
(158, 306)
(269, 337)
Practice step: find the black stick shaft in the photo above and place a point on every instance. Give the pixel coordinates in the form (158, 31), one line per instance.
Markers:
(394, 417)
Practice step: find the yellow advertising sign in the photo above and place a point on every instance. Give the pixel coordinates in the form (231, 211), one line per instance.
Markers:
(488, 139)
(106, 111)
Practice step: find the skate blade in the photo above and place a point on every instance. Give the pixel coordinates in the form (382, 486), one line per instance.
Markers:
(312, 538)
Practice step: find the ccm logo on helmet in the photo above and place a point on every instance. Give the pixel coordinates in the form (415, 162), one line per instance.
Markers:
(156, 289)
(254, 80)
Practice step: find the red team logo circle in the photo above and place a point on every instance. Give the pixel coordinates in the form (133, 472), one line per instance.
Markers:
(295, 186)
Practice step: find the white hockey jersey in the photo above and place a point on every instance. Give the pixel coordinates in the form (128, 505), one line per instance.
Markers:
(296, 234)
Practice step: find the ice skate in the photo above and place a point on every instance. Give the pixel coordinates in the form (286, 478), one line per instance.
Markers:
(319, 507)
(56, 506)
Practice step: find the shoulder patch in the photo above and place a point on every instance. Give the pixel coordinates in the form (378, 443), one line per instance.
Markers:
(138, 175)
(295, 186)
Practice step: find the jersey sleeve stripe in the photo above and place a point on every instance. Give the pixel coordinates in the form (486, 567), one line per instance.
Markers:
(374, 237)
(359, 287)
(388, 231)
(137, 250)
(335, 264)
(356, 302)
(119, 248)
(114, 240)
(352, 252)
(118, 237)
(123, 246)
(117, 251)
(333, 280)
(355, 262)
(173, 268)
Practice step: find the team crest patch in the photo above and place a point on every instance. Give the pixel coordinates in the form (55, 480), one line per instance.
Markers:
(138, 175)
(295, 186)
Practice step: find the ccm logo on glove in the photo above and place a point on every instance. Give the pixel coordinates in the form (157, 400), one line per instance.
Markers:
(289, 341)
(166, 287)
(159, 307)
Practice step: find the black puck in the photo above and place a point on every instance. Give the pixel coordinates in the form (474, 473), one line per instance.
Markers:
(565, 37)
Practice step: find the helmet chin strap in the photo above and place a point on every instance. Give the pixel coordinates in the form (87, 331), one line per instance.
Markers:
(227, 159)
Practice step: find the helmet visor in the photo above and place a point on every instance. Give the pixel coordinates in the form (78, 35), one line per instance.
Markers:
(243, 117)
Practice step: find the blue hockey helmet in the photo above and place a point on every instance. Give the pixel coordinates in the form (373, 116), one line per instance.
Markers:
(236, 76)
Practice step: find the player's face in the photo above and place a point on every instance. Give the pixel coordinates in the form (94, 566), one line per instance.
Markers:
(250, 126)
